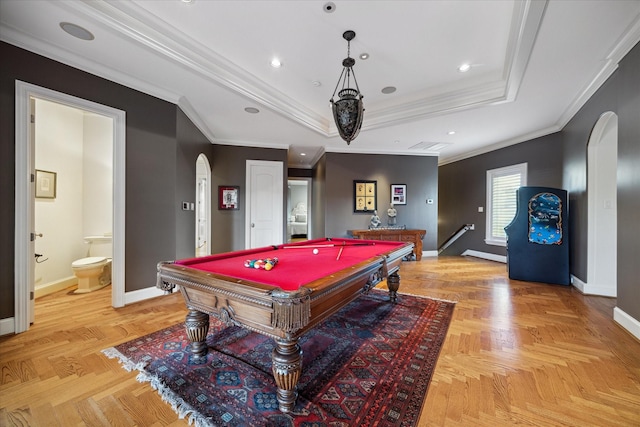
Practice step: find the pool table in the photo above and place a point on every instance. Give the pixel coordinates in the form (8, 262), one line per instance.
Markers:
(300, 291)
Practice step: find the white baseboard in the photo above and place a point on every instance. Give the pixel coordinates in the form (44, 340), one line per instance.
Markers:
(429, 253)
(7, 326)
(142, 294)
(585, 288)
(627, 322)
(485, 255)
(56, 286)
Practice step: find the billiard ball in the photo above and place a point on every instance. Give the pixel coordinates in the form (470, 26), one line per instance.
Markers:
(315, 252)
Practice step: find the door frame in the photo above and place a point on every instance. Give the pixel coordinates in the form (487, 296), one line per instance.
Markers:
(25, 200)
(309, 182)
(207, 202)
(601, 270)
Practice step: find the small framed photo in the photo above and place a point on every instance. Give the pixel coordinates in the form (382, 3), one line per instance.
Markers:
(399, 194)
(45, 184)
(365, 196)
(228, 197)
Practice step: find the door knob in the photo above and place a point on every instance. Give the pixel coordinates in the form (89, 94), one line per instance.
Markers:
(252, 225)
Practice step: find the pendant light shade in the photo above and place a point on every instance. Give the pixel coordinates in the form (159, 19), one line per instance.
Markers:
(348, 109)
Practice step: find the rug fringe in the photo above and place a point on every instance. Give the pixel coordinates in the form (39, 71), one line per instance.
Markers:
(179, 406)
(127, 364)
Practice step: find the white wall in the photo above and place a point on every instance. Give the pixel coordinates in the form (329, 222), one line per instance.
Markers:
(58, 148)
(78, 147)
(97, 177)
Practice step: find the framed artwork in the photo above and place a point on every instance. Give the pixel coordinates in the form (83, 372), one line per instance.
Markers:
(399, 194)
(45, 184)
(228, 197)
(365, 196)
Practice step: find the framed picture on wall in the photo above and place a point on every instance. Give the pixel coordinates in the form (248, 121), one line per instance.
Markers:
(45, 184)
(399, 194)
(228, 197)
(365, 196)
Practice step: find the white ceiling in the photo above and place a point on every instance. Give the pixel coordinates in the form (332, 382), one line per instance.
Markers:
(533, 65)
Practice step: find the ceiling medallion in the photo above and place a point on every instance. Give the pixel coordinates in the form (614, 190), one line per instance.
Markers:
(348, 111)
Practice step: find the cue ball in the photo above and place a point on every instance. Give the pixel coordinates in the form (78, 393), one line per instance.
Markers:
(315, 252)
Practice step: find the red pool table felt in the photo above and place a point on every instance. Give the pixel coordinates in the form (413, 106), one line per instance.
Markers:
(297, 265)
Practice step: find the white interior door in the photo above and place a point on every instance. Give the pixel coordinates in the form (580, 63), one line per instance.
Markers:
(264, 200)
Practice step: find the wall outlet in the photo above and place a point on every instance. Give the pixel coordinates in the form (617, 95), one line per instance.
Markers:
(480, 209)
(185, 206)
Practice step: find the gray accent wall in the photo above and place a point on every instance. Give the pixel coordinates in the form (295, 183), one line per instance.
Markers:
(462, 188)
(229, 165)
(191, 143)
(560, 160)
(419, 173)
(155, 178)
(318, 199)
(621, 95)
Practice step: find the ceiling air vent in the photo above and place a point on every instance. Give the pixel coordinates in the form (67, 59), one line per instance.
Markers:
(430, 146)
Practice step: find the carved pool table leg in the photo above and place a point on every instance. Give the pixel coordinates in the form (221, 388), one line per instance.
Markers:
(197, 325)
(287, 367)
(393, 283)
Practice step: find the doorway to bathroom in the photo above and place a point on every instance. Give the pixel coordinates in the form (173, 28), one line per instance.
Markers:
(71, 152)
(298, 209)
(74, 219)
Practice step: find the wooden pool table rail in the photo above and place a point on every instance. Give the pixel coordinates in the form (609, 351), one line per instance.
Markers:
(271, 311)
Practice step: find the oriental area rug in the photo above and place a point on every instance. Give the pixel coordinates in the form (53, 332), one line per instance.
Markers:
(368, 364)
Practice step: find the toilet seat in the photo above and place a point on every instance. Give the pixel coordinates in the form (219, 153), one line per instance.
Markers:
(86, 262)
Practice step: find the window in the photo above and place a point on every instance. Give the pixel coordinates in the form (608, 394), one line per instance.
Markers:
(502, 184)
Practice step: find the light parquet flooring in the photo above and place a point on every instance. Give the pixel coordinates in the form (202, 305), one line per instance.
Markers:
(516, 353)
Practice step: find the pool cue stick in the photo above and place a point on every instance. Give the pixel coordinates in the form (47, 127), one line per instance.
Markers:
(340, 253)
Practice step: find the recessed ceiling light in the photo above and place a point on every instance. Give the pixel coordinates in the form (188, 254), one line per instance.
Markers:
(329, 7)
(451, 132)
(303, 154)
(316, 83)
(77, 31)
(364, 56)
(275, 63)
(188, 1)
(252, 110)
(464, 68)
(389, 89)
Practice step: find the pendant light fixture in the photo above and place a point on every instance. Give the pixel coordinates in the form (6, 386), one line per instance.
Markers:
(348, 110)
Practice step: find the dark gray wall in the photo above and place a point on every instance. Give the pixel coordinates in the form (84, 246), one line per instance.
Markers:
(419, 173)
(318, 199)
(152, 168)
(462, 188)
(462, 184)
(629, 184)
(229, 165)
(620, 94)
(191, 143)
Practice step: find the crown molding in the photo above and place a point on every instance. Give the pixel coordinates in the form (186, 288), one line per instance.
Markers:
(196, 118)
(623, 45)
(444, 160)
(254, 144)
(25, 41)
(135, 23)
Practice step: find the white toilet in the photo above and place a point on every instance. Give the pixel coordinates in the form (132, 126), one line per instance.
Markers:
(94, 272)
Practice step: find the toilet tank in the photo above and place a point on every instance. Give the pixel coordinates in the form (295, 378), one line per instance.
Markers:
(100, 245)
